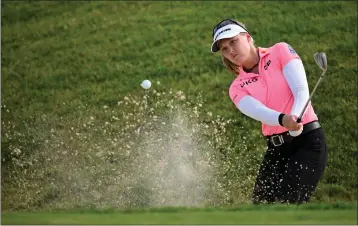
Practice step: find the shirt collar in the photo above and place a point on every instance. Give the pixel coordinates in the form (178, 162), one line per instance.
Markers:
(262, 52)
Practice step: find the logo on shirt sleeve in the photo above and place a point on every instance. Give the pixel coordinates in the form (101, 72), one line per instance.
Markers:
(292, 51)
(233, 99)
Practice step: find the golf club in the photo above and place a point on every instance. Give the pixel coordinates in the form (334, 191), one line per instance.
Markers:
(321, 61)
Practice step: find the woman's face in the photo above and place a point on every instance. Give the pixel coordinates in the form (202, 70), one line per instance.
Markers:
(236, 49)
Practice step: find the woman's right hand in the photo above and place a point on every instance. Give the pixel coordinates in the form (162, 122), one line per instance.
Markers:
(289, 122)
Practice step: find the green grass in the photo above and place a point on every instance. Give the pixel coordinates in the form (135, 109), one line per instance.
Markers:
(58, 56)
(246, 214)
(217, 217)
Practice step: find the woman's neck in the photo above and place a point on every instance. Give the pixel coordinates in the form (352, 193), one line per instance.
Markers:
(252, 64)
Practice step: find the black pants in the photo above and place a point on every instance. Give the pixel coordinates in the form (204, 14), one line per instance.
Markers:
(290, 173)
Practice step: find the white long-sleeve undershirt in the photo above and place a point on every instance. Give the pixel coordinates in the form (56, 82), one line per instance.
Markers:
(295, 76)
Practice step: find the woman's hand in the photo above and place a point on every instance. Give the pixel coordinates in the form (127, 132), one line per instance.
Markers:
(289, 122)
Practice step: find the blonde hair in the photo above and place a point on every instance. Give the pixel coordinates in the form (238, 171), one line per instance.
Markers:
(233, 68)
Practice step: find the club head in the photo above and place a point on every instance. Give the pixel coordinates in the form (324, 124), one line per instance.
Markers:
(321, 60)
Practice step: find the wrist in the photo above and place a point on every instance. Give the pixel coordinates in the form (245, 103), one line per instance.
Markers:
(280, 119)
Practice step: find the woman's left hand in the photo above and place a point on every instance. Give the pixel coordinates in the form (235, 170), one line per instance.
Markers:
(290, 122)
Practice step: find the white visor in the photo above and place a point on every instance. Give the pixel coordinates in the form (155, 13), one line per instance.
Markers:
(228, 31)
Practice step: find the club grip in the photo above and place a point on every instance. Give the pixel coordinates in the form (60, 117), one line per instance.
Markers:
(299, 120)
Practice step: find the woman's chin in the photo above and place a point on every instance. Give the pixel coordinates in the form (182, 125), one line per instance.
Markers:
(237, 61)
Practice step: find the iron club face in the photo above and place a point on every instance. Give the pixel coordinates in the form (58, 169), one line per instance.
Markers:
(321, 60)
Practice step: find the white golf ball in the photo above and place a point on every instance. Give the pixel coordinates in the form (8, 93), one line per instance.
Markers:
(146, 84)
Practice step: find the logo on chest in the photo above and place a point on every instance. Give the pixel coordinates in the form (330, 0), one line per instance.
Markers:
(248, 82)
(267, 64)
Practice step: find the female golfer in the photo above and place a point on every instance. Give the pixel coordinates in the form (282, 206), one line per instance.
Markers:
(271, 87)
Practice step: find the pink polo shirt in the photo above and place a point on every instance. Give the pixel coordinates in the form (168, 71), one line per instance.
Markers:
(270, 86)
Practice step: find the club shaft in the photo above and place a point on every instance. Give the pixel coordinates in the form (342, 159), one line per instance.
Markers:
(309, 99)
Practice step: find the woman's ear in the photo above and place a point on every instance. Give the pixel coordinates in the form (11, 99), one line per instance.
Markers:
(248, 36)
